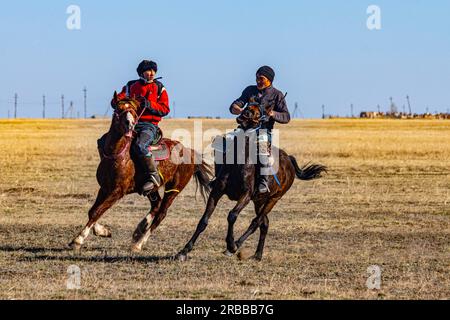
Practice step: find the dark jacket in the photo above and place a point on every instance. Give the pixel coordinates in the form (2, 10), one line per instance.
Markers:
(268, 96)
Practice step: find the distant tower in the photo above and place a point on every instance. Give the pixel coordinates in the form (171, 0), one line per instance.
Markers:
(393, 106)
(295, 113)
(409, 104)
(378, 108)
(15, 105)
(323, 111)
(351, 110)
(70, 110)
(43, 107)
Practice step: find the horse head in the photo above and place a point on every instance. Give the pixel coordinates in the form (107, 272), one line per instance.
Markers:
(125, 114)
(253, 115)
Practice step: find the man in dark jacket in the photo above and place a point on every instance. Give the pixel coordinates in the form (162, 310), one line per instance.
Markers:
(265, 94)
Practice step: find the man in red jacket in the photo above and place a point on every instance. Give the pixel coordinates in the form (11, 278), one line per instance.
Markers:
(155, 100)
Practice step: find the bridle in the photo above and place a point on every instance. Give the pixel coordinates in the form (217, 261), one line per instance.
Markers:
(247, 118)
(130, 133)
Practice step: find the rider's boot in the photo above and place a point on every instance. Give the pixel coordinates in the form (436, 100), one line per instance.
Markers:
(263, 185)
(152, 179)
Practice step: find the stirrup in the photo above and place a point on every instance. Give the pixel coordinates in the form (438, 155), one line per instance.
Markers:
(147, 188)
(155, 181)
(263, 188)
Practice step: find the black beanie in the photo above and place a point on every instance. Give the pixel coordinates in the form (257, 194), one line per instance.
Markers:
(267, 72)
(146, 65)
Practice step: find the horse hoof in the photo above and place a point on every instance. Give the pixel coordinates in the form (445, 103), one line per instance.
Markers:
(181, 257)
(74, 246)
(228, 253)
(136, 249)
(257, 257)
(103, 233)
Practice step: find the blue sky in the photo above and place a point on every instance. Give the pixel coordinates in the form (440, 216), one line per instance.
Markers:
(208, 51)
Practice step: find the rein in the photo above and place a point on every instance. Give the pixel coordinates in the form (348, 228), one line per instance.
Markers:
(128, 135)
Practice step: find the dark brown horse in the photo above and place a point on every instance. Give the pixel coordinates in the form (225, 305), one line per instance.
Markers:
(118, 176)
(237, 181)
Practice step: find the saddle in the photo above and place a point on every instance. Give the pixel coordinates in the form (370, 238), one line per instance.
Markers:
(159, 148)
(160, 151)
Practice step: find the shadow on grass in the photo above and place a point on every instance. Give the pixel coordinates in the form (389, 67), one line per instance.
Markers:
(105, 259)
(88, 255)
(30, 249)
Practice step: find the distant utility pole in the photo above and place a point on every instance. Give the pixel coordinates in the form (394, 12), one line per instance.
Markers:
(393, 106)
(323, 111)
(8, 114)
(378, 108)
(71, 109)
(62, 106)
(409, 104)
(15, 105)
(85, 102)
(296, 111)
(43, 107)
(351, 110)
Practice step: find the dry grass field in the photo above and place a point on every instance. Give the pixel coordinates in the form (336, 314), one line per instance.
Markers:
(385, 202)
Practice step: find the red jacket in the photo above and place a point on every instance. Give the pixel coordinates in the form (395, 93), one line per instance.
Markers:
(155, 93)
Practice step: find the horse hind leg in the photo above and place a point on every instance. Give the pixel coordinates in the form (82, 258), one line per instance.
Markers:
(155, 201)
(154, 220)
(102, 231)
(103, 202)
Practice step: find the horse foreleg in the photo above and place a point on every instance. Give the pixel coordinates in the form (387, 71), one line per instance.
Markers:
(155, 201)
(103, 202)
(214, 197)
(263, 229)
(261, 221)
(232, 217)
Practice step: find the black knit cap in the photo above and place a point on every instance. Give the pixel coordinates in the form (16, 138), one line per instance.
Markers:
(267, 72)
(146, 65)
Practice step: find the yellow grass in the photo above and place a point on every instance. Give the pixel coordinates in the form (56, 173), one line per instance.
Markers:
(384, 202)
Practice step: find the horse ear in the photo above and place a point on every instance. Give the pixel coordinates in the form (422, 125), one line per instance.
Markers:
(115, 96)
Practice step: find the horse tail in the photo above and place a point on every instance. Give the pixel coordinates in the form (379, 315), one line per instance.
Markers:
(202, 174)
(309, 171)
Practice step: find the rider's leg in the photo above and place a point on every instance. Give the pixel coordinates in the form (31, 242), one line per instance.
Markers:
(146, 136)
(264, 161)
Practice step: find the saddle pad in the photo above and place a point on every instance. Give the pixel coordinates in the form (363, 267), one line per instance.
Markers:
(160, 152)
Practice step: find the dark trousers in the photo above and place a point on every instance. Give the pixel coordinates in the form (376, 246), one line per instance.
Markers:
(146, 134)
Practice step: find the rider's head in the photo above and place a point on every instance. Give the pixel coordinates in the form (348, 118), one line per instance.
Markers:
(147, 70)
(264, 77)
